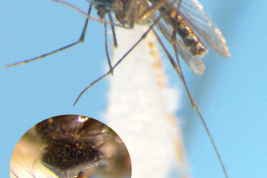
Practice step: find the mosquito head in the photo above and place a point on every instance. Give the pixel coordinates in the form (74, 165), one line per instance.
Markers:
(103, 7)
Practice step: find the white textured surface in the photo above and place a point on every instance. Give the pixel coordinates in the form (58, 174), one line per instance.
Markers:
(141, 107)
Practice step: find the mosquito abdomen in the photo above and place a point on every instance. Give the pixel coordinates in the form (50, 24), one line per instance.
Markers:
(186, 33)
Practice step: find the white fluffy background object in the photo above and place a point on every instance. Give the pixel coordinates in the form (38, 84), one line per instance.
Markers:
(141, 108)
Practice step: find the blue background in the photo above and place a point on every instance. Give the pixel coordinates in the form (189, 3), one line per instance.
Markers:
(231, 93)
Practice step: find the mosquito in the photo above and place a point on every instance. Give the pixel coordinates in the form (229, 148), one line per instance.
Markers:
(170, 18)
(181, 22)
(173, 18)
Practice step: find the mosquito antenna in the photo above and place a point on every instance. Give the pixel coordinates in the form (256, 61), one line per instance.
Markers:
(113, 32)
(106, 47)
(86, 14)
(140, 39)
(72, 6)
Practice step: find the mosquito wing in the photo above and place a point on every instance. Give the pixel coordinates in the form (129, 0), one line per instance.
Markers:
(193, 14)
(192, 61)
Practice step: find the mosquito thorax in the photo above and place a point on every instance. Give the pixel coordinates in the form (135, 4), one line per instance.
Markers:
(66, 157)
(71, 144)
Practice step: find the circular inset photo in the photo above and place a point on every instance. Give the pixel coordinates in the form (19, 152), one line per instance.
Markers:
(70, 146)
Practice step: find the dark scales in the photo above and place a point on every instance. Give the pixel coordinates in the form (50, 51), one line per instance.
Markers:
(70, 144)
(69, 157)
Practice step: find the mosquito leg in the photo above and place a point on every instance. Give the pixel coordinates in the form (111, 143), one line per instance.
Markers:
(195, 105)
(27, 169)
(113, 32)
(199, 113)
(129, 9)
(132, 22)
(13, 173)
(103, 76)
(89, 86)
(177, 68)
(106, 46)
(81, 39)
